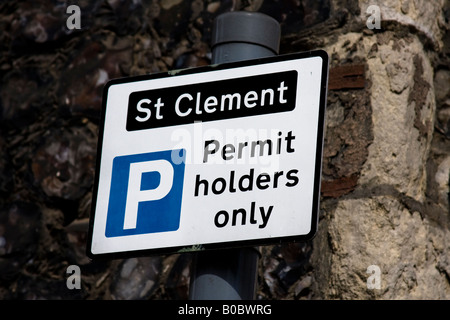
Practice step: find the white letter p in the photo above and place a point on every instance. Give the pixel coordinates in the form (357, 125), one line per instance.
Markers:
(136, 195)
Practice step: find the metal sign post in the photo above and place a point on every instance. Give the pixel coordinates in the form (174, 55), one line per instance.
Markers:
(232, 274)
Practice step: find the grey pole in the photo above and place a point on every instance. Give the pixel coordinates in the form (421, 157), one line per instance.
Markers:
(231, 274)
(244, 35)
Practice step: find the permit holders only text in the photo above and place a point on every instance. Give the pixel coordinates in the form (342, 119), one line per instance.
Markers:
(232, 183)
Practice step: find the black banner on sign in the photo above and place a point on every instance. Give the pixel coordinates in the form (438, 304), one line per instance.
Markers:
(208, 101)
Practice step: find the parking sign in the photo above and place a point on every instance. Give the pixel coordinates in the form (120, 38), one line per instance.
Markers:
(218, 156)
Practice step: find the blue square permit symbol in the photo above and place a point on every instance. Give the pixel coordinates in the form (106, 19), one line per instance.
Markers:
(146, 193)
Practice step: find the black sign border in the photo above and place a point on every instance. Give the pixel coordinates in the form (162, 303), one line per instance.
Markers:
(230, 244)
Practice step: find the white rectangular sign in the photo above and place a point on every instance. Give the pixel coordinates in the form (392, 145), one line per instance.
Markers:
(217, 156)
